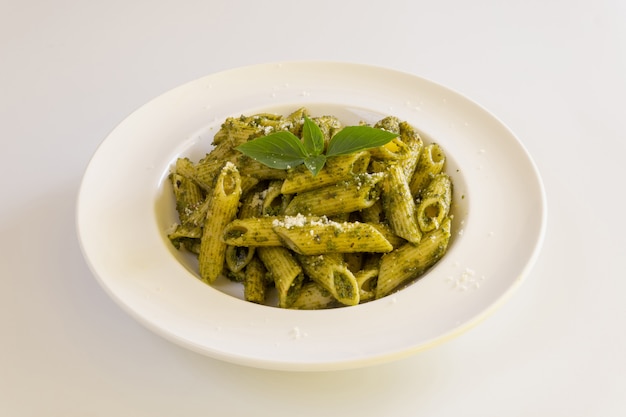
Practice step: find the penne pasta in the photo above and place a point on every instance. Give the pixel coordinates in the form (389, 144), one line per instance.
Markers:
(410, 261)
(369, 222)
(222, 210)
(308, 236)
(339, 168)
(255, 281)
(435, 203)
(331, 273)
(398, 205)
(285, 271)
(313, 296)
(344, 197)
(430, 163)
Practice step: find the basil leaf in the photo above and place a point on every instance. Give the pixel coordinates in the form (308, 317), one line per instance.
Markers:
(281, 150)
(352, 139)
(315, 163)
(313, 137)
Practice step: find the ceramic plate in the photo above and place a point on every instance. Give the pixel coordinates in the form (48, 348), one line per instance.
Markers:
(125, 208)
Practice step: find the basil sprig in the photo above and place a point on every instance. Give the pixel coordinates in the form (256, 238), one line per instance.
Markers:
(284, 150)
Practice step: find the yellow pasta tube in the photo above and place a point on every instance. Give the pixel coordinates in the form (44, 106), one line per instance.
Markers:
(410, 137)
(344, 197)
(367, 276)
(315, 237)
(434, 205)
(253, 231)
(339, 168)
(410, 261)
(430, 163)
(255, 282)
(237, 257)
(222, 210)
(313, 296)
(285, 271)
(188, 194)
(331, 273)
(399, 206)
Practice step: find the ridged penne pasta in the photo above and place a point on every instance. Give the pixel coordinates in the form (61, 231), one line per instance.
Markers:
(410, 137)
(370, 221)
(315, 237)
(255, 281)
(222, 210)
(339, 168)
(313, 296)
(285, 271)
(435, 202)
(411, 260)
(252, 232)
(344, 197)
(332, 273)
(430, 163)
(367, 277)
(398, 204)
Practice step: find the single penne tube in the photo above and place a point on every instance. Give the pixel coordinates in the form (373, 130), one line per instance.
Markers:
(339, 168)
(430, 163)
(255, 282)
(398, 204)
(188, 195)
(410, 137)
(434, 204)
(206, 171)
(410, 261)
(237, 257)
(184, 167)
(343, 197)
(222, 210)
(313, 296)
(367, 276)
(235, 131)
(315, 237)
(331, 273)
(285, 271)
(252, 231)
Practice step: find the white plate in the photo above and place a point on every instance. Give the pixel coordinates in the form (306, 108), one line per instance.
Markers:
(125, 208)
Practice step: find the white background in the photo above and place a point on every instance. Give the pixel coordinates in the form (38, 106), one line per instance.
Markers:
(553, 71)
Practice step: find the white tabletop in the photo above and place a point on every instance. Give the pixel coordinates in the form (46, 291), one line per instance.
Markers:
(553, 71)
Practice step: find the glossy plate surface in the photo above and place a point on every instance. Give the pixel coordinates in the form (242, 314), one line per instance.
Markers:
(125, 209)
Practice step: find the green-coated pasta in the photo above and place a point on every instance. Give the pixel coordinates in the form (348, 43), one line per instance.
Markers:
(343, 197)
(435, 202)
(331, 272)
(366, 225)
(398, 204)
(410, 261)
(222, 210)
(431, 162)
